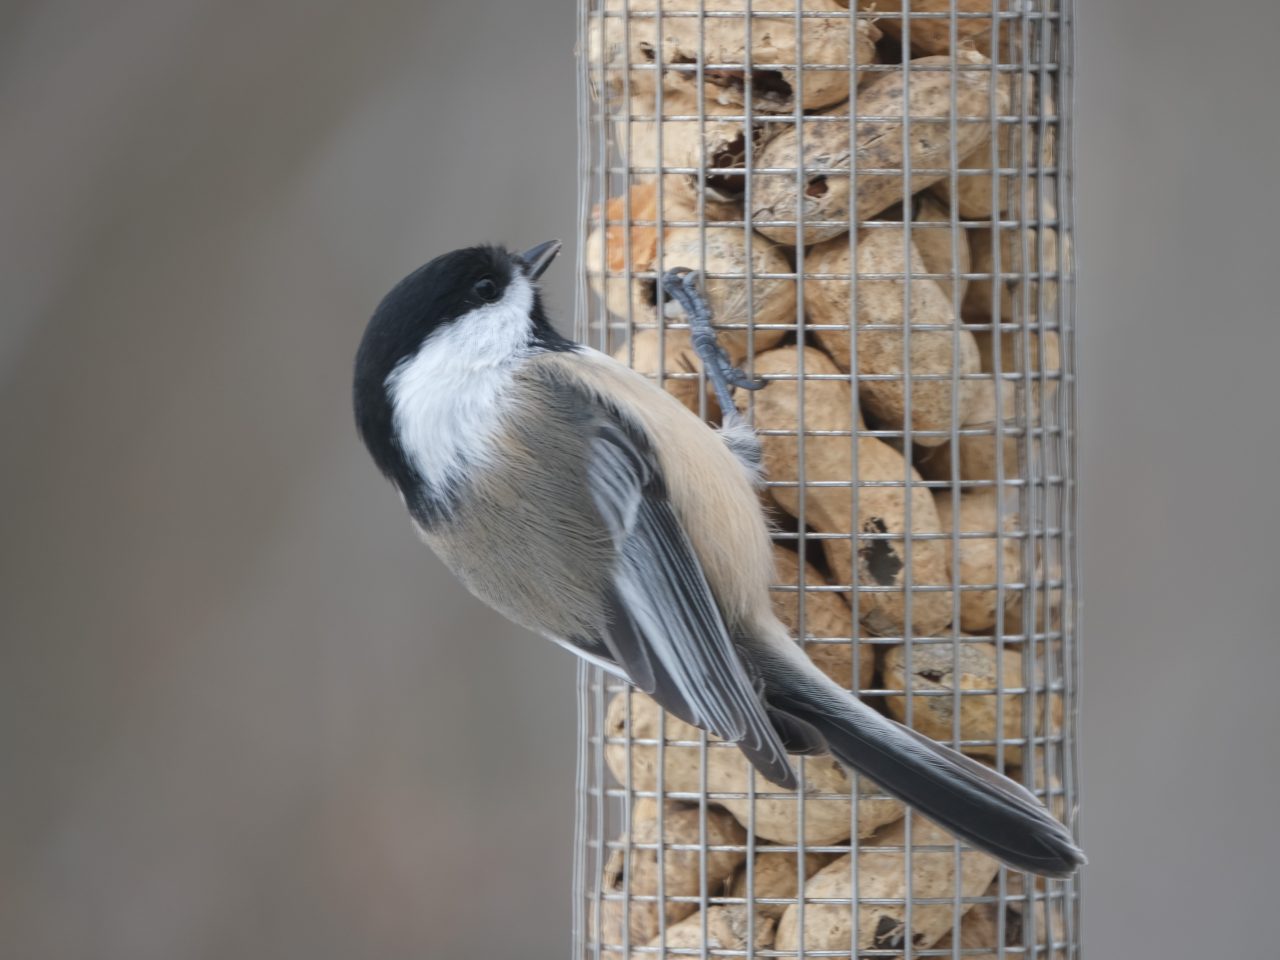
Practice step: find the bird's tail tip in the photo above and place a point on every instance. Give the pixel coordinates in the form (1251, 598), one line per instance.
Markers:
(975, 803)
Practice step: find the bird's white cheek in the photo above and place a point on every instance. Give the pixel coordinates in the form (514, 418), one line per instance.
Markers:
(448, 400)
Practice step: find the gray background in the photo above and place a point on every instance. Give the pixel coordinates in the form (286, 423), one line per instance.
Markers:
(243, 713)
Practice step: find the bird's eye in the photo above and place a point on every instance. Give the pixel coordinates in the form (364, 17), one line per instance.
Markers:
(486, 290)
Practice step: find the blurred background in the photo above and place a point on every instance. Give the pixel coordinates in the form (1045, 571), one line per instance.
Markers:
(244, 713)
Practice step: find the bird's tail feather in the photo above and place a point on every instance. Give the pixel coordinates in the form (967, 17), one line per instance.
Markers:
(975, 803)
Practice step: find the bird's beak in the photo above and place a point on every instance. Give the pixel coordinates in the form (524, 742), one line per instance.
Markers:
(537, 259)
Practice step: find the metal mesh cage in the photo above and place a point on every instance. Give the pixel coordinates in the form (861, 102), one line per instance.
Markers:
(879, 200)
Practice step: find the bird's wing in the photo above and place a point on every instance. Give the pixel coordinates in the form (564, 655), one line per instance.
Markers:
(665, 627)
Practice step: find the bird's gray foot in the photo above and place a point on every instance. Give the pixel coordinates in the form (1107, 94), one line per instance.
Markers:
(681, 285)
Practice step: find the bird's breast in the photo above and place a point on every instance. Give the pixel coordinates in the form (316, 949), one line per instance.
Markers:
(448, 414)
(520, 532)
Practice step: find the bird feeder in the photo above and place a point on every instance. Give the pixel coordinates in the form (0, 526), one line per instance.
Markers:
(878, 196)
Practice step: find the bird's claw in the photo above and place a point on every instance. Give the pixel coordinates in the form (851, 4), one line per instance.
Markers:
(737, 377)
(682, 285)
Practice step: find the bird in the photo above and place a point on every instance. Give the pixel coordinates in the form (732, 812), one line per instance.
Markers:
(583, 502)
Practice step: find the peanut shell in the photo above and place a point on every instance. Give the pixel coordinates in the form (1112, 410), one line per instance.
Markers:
(880, 510)
(635, 297)
(978, 446)
(934, 353)
(1028, 271)
(980, 556)
(673, 363)
(726, 930)
(929, 35)
(712, 143)
(827, 786)
(933, 708)
(681, 869)
(822, 196)
(647, 51)
(882, 876)
(932, 236)
(827, 615)
(775, 877)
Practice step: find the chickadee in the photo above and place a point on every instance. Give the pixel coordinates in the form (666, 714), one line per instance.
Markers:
(580, 500)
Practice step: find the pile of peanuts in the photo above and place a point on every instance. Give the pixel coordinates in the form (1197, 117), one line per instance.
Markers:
(864, 229)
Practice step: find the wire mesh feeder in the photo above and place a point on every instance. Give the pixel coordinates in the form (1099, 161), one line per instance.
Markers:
(921, 473)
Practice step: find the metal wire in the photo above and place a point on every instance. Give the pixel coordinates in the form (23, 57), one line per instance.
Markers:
(672, 837)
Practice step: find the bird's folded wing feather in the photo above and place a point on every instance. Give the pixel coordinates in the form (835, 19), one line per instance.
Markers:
(666, 629)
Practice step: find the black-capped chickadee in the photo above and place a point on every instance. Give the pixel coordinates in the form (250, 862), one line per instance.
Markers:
(582, 501)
